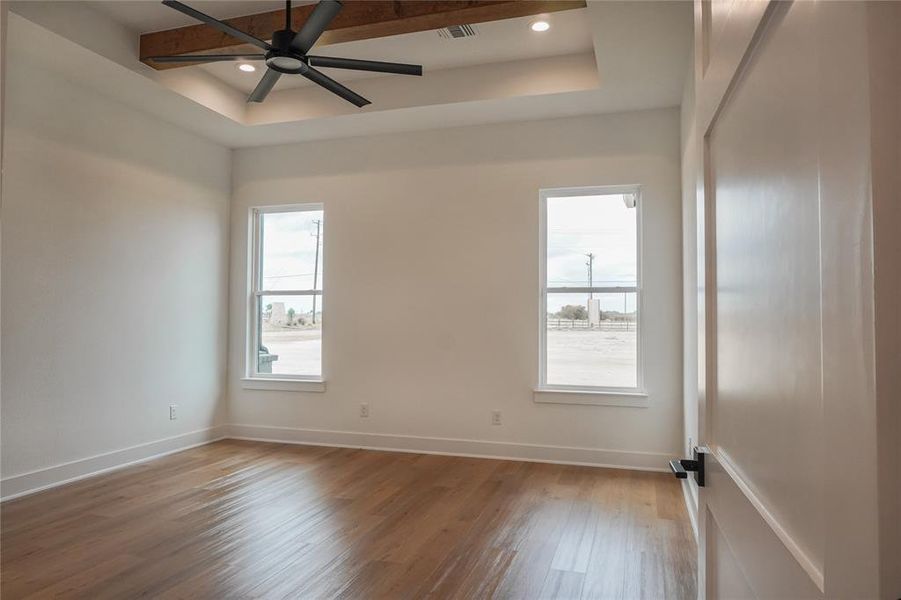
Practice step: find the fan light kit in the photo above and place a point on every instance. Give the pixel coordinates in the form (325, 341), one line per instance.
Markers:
(539, 26)
(287, 54)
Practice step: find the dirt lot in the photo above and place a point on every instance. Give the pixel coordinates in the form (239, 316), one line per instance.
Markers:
(591, 357)
(299, 351)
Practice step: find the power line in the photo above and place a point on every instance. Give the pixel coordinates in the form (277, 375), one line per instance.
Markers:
(316, 265)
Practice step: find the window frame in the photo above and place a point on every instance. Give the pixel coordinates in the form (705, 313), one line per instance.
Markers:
(256, 294)
(544, 290)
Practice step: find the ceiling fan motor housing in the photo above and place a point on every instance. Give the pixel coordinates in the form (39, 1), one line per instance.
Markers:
(282, 58)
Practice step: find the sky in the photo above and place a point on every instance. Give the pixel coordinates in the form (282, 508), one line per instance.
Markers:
(289, 251)
(602, 225)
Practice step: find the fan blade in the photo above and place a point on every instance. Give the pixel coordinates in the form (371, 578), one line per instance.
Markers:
(198, 58)
(335, 87)
(265, 86)
(223, 27)
(318, 21)
(364, 65)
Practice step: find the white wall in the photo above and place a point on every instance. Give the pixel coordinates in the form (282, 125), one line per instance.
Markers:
(114, 299)
(431, 279)
(690, 287)
(4, 13)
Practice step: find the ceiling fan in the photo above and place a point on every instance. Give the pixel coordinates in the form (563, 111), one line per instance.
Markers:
(288, 52)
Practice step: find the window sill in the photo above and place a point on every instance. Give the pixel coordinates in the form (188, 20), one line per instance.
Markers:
(636, 399)
(283, 385)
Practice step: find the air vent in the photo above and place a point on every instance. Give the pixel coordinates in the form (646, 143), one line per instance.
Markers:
(458, 31)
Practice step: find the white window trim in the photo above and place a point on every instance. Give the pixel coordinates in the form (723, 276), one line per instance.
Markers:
(585, 396)
(272, 381)
(576, 394)
(282, 385)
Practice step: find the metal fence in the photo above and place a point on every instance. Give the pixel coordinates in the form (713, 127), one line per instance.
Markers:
(585, 325)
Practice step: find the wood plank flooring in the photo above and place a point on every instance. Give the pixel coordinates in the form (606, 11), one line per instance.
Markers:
(257, 520)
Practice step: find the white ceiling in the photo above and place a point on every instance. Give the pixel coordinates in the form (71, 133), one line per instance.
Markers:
(142, 16)
(497, 41)
(611, 56)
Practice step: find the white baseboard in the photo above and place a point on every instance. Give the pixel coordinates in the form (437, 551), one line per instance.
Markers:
(61, 474)
(42, 479)
(618, 459)
(690, 491)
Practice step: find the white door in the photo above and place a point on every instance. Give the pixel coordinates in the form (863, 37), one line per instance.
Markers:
(786, 301)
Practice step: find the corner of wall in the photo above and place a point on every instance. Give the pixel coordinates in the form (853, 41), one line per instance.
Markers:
(689, 165)
(225, 400)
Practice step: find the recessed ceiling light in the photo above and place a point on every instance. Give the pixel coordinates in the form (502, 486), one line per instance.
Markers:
(247, 67)
(539, 26)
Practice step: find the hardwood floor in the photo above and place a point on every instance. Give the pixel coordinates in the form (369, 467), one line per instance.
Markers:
(256, 520)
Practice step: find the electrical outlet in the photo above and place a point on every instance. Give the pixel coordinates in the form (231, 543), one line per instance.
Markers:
(173, 412)
(495, 417)
(364, 410)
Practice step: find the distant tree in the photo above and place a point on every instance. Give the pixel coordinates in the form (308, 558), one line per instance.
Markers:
(290, 315)
(572, 312)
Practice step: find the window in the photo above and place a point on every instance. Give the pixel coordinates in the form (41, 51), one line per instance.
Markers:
(590, 290)
(286, 293)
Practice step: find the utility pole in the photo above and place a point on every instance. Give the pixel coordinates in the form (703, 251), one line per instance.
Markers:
(316, 266)
(590, 265)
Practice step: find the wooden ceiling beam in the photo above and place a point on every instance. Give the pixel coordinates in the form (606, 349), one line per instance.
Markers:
(358, 20)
